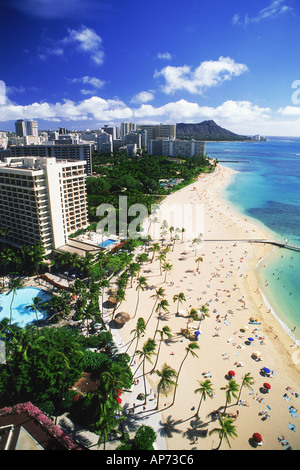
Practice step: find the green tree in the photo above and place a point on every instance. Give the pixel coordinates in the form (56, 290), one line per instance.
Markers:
(145, 355)
(226, 430)
(247, 382)
(203, 314)
(159, 295)
(141, 285)
(15, 283)
(166, 382)
(37, 305)
(144, 438)
(161, 306)
(167, 267)
(155, 248)
(190, 349)
(179, 298)
(231, 390)
(198, 260)
(164, 332)
(205, 390)
(139, 330)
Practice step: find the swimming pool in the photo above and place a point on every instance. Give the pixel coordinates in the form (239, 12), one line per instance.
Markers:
(107, 242)
(23, 297)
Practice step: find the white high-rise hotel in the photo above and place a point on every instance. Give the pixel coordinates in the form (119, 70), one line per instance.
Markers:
(42, 200)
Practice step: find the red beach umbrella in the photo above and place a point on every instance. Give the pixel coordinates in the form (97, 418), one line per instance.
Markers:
(257, 437)
(267, 386)
(232, 373)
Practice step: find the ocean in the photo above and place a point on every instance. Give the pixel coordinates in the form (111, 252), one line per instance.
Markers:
(267, 189)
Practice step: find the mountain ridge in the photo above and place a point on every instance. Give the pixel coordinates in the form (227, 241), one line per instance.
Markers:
(206, 130)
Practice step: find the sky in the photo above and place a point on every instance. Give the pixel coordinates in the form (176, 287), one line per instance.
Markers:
(82, 64)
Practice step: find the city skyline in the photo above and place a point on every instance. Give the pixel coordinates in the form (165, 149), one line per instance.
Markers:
(82, 65)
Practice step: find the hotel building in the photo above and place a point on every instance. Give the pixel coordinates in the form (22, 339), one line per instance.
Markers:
(176, 148)
(42, 200)
(57, 149)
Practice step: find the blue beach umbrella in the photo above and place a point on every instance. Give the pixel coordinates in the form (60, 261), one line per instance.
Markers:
(250, 339)
(266, 370)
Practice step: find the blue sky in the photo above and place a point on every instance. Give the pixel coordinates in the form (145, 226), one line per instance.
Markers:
(82, 64)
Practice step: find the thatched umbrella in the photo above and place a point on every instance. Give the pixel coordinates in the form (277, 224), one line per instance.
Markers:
(112, 300)
(121, 318)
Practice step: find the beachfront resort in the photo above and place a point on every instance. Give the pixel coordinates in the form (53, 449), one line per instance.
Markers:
(174, 332)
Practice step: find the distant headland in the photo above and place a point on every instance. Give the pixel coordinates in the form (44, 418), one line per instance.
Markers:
(210, 131)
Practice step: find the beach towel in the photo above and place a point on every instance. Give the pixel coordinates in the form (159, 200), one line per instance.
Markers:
(293, 412)
(286, 397)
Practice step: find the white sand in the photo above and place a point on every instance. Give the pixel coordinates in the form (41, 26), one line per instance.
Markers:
(227, 284)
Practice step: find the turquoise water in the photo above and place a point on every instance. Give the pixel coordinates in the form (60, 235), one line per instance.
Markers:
(107, 242)
(22, 298)
(267, 189)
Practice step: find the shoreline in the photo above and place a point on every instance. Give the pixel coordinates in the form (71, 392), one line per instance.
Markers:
(227, 284)
(270, 234)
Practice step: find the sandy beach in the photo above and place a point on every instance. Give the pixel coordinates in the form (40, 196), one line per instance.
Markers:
(227, 285)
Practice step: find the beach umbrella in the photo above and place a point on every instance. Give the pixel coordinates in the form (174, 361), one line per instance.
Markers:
(267, 386)
(257, 437)
(257, 353)
(266, 370)
(122, 318)
(197, 333)
(250, 339)
(231, 373)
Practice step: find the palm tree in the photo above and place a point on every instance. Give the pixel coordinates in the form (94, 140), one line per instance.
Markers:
(193, 316)
(171, 230)
(141, 285)
(179, 298)
(165, 331)
(159, 294)
(182, 232)
(203, 314)
(246, 382)
(14, 284)
(205, 391)
(145, 354)
(37, 253)
(119, 296)
(166, 381)
(134, 269)
(36, 306)
(231, 389)
(190, 349)
(139, 330)
(162, 305)
(227, 430)
(155, 248)
(161, 258)
(6, 256)
(198, 260)
(197, 241)
(167, 267)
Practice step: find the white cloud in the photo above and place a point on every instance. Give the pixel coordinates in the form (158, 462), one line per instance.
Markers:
(87, 41)
(275, 9)
(143, 97)
(164, 55)
(289, 111)
(242, 117)
(94, 82)
(207, 74)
